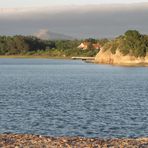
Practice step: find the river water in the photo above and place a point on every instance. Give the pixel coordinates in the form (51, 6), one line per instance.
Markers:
(73, 98)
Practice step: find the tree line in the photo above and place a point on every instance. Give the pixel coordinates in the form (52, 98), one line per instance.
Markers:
(131, 43)
(30, 45)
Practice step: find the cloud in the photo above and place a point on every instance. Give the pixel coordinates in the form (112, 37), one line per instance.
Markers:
(80, 21)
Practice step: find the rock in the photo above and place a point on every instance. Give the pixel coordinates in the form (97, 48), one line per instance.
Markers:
(106, 57)
(24, 140)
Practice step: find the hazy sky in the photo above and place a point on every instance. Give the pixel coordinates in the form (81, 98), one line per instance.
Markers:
(80, 21)
(26, 3)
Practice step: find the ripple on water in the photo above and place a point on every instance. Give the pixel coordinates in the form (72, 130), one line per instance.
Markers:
(63, 97)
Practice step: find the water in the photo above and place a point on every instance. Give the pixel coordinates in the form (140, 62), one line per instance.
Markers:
(64, 97)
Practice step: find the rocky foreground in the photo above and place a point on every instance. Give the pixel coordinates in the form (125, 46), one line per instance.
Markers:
(37, 141)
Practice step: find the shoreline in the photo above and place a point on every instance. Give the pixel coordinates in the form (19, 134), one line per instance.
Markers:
(124, 64)
(32, 57)
(70, 58)
(30, 140)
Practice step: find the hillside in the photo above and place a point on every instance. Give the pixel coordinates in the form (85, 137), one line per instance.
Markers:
(45, 34)
(130, 48)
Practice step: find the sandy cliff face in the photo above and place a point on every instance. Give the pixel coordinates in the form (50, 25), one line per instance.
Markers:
(118, 58)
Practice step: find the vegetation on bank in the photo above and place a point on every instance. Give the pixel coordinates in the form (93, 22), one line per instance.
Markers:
(131, 43)
(32, 46)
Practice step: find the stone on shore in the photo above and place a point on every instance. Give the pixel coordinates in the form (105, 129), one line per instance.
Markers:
(37, 141)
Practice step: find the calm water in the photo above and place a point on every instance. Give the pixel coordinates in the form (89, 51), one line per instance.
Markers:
(63, 97)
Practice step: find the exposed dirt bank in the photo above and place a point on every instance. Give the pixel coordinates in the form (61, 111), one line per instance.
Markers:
(106, 57)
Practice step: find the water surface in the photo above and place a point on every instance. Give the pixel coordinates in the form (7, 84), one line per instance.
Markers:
(64, 97)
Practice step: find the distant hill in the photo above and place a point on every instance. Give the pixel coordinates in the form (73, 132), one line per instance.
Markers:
(45, 34)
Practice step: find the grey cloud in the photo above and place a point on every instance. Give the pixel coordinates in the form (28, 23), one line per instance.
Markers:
(78, 21)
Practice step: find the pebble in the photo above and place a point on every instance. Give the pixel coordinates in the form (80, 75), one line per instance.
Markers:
(39, 141)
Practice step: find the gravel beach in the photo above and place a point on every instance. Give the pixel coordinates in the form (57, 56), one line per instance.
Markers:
(38, 141)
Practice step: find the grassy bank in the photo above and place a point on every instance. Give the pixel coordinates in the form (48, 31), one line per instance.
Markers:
(34, 56)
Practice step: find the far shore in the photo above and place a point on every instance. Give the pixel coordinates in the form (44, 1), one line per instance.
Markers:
(70, 58)
(24, 140)
(33, 57)
(124, 64)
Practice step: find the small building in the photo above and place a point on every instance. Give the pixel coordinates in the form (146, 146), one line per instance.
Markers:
(88, 45)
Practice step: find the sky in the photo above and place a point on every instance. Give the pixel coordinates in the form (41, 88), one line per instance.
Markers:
(103, 18)
(31, 3)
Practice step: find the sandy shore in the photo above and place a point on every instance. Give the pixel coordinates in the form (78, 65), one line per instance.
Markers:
(37, 141)
(123, 64)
